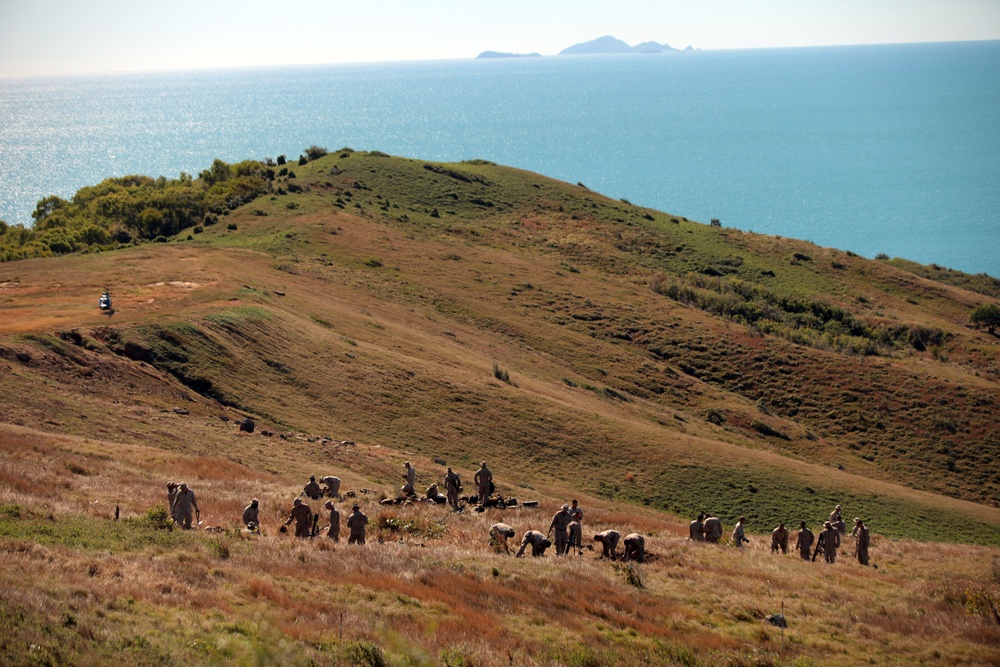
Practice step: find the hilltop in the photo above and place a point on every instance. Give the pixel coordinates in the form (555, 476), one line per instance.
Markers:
(649, 364)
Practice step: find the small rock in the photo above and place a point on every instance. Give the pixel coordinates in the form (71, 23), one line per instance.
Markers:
(776, 620)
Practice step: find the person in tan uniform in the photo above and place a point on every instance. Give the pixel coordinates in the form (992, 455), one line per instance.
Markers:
(484, 482)
(334, 532)
(713, 529)
(171, 495)
(539, 543)
(312, 490)
(332, 485)
(251, 514)
(609, 542)
(804, 541)
(779, 539)
(560, 525)
(830, 539)
(302, 515)
(739, 536)
(356, 524)
(411, 479)
(635, 547)
(499, 533)
(863, 539)
(837, 520)
(576, 527)
(696, 530)
(184, 502)
(452, 487)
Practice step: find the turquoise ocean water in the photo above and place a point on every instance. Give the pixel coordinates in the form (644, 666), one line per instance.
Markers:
(874, 149)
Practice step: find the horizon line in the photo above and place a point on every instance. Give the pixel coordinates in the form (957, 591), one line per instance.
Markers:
(687, 50)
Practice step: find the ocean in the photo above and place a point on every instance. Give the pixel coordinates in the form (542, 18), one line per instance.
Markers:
(875, 149)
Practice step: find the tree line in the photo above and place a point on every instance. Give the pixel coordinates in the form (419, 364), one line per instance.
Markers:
(131, 209)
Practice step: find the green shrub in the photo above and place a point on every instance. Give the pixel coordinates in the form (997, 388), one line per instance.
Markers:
(987, 315)
(158, 518)
(715, 416)
(500, 373)
(765, 429)
(315, 152)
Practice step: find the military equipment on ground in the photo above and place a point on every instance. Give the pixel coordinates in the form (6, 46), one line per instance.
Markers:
(105, 302)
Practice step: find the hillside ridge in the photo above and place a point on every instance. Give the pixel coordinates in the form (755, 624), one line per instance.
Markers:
(769, 343)
(365, 310)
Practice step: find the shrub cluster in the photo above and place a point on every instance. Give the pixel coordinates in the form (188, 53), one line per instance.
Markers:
(799, 319)
(120, 211)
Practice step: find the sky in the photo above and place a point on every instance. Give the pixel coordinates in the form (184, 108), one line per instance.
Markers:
(48, 37)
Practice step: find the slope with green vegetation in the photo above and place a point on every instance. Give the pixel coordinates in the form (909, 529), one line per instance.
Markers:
(453, 312)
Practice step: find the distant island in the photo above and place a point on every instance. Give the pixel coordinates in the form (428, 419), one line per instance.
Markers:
(501, 54)
(612, 45)
(600, 46)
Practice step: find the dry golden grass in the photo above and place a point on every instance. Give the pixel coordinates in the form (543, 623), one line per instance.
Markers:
(441, 592)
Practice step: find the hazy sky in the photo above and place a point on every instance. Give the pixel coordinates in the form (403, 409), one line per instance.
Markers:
(73, 36)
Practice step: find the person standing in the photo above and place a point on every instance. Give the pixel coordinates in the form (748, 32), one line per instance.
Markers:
(171, 495)
(804, 541)
(312, 490)
(302, 515)
(837, 520)
(356, 524)
(862, 537)
(739, 537)
(559, 525)
(779, 539)
(452, 486)
(484, 482)
(184, 502)
(411, 479)
(713, 530)
(334, 532)
(830, 540)
(576, 527)
(609, 542)
(696, 531)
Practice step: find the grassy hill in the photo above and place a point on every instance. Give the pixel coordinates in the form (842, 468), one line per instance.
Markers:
(655, 367)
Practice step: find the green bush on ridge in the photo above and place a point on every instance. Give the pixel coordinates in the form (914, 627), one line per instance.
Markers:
(120, 211)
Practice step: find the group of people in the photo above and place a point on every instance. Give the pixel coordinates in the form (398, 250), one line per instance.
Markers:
(307, 523)
(483, 480)
(182, 505)
(708, 528)
(565, 529)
